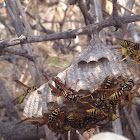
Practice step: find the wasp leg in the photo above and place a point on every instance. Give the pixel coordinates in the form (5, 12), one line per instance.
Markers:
(23, 120)
(67, 108)
(91, 83)
(87, 103)
(117, 43)
(54, 105)
(38, 81)
(66, 77)
(95, 80)
(89, 95)
(123, 59)
(105, 114)
(119, 80)
(133, 70)
(118, 50)
(129, 108)
(37, 129)
(25, 93)
(55, 90)
(114, 117)
(74, 84)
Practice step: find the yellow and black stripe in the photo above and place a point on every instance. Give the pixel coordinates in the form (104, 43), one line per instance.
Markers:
(125, 87)
(125, 43)
(93, 112)
(70, 117)
(106, 85)
(70, 96)
(108, 82)
(31, 89)
(53, 115)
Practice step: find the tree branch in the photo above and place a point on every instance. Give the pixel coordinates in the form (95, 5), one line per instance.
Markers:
(87, 16)
(6, 57)
(72, 33)
(115, 15)
(115, 12)
(22, 53)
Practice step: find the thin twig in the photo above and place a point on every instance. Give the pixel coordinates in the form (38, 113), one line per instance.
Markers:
(22, 53)
(27, 6)
(6, 57)
(115, 15)
(128, 10)
(87, 16)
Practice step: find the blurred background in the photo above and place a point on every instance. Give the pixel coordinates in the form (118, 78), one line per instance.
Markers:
(51, 16)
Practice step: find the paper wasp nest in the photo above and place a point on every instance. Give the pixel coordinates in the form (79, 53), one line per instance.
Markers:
(97, 59)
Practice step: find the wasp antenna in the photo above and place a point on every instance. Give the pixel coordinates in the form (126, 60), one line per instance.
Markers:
(95, 79)
(117, 43)
(119, 80)
(91, 83)
(23, 120)
(66, 77)
(38, 81)
(20, 83)
(53, 79)
(74, 84)
(133, 70)
(37, 129)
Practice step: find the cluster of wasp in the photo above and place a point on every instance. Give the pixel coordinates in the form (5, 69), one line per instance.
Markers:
(131, 50)
(82, 112)
(85, 112)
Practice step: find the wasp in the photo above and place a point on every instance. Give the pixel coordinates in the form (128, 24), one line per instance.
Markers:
(93, 112)
(103, 90)
(62, 129)
(129, 99)
(106, 85)
(131, 50)
(70, 117)
(121, 92)
(96, 114)
(112, 117)
(114, 100)
(67, 93)
(81, 123)
(64, 91)
(106, 104)
(21, 98)
(52, 117)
